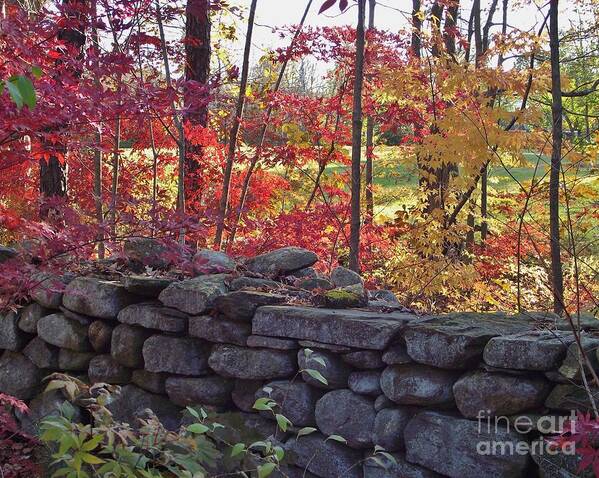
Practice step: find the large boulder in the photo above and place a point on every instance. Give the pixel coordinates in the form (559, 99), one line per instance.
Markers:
(71, 361)
(19, 377)
(150, 381)
(57, 330)
(105, 369)
(29, 317)
(347, 414)
(11, 336)
(244, 392)
(415, 384)
(457, 341)
(568, 397)
(219, 330)
(153, 315)
(351, 328)
(351, 296)
(397, 354)
(325, 458)
(251, 364)
(182, 356)
(342, 277)
(365, 382)
(496, 394)
(535, 350)
(364, 359)
(96, 297)
(254, 283)
(187, 391)
(282, 261)
(48, 288)
(46, 404)
(127, 344)
(330, 366)
(460, 448)
(146, 252)
(260, 341)
(146, 286)
(296, 400)
(194, 296)
(242, 304)
(389, 426)
(100, 335)
(207, 261)
(399, 467)
(43, 355)
(132, 403)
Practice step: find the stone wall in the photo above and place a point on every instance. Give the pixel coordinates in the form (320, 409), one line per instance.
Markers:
(348, 362)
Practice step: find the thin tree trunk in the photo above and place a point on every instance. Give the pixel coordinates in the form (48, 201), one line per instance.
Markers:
(354, 239)
(197, 69)
(556, 158)
(416, 44)
(257, 155)
(115, 172)
(224, 199)
(370, 139)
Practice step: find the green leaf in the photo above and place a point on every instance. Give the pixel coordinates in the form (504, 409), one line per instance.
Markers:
(279, 453)
(315, 374)
(266, 469)
(193, 413)
(283, 422)
(198, 428)
(338, 438)
(305, 431)
(264, 404)
(15, 93)
(237, 449)
(37, 72)
(27, 91)
(320, 361)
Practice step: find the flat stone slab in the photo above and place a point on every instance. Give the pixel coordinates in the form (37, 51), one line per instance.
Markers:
(194, 296)
(146, 286)
(153, 315)
(351, 328)
(457, 341)
(96, 297)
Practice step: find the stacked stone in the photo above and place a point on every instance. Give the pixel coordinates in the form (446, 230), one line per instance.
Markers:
(380, 377)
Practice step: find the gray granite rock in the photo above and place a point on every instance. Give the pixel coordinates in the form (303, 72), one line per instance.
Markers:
(399, 467)
(48, 288)
(127, 344)
(211, 390)
(105, 369)
(383, 296)
(325, 458)
(152, 315)
(415, 384)
(498, 394)
(569, 397)
(43, 355)
(29, 317)
(11, 336)
(342, 277)
(96, 297)
(42, 406)
(336, 349)
(242, 304)
(146, 286)
(330, 366)
(364, 359)
(282, 261)
(253, 283)
(455, 447)
(219, 330)
(71, 361)
(150, 381)
(251, 364)
(100, 335)
(397, 354)
(347, 414)
(351, 296)
(313, 283)
(570, 367)
(457, 341)
(365, 382)
(535, 350)
(207, 261)
(19, 377)
(57, 330)
(244, 392)
(382, 402)
(194, 296)
(296, 400)
(260, 341)
(146, 252)
(389, 427)
(132, 402)
(182, 356)
(351, 328)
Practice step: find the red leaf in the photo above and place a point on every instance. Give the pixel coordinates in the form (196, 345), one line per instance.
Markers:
(326, 5)
(343, 5)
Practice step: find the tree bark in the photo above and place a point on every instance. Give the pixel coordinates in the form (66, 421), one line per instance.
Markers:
(197, 69)
(224, 199)
(354, 239)
(370, 139)
(97, 151)
(556, 159)
(416, 43)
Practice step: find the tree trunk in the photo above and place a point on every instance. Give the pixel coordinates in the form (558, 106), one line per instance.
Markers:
(370, 139)
(416, 29)
(556, 159)
(197, 69)
(53, 169)
(354, 239)
(224, 199)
